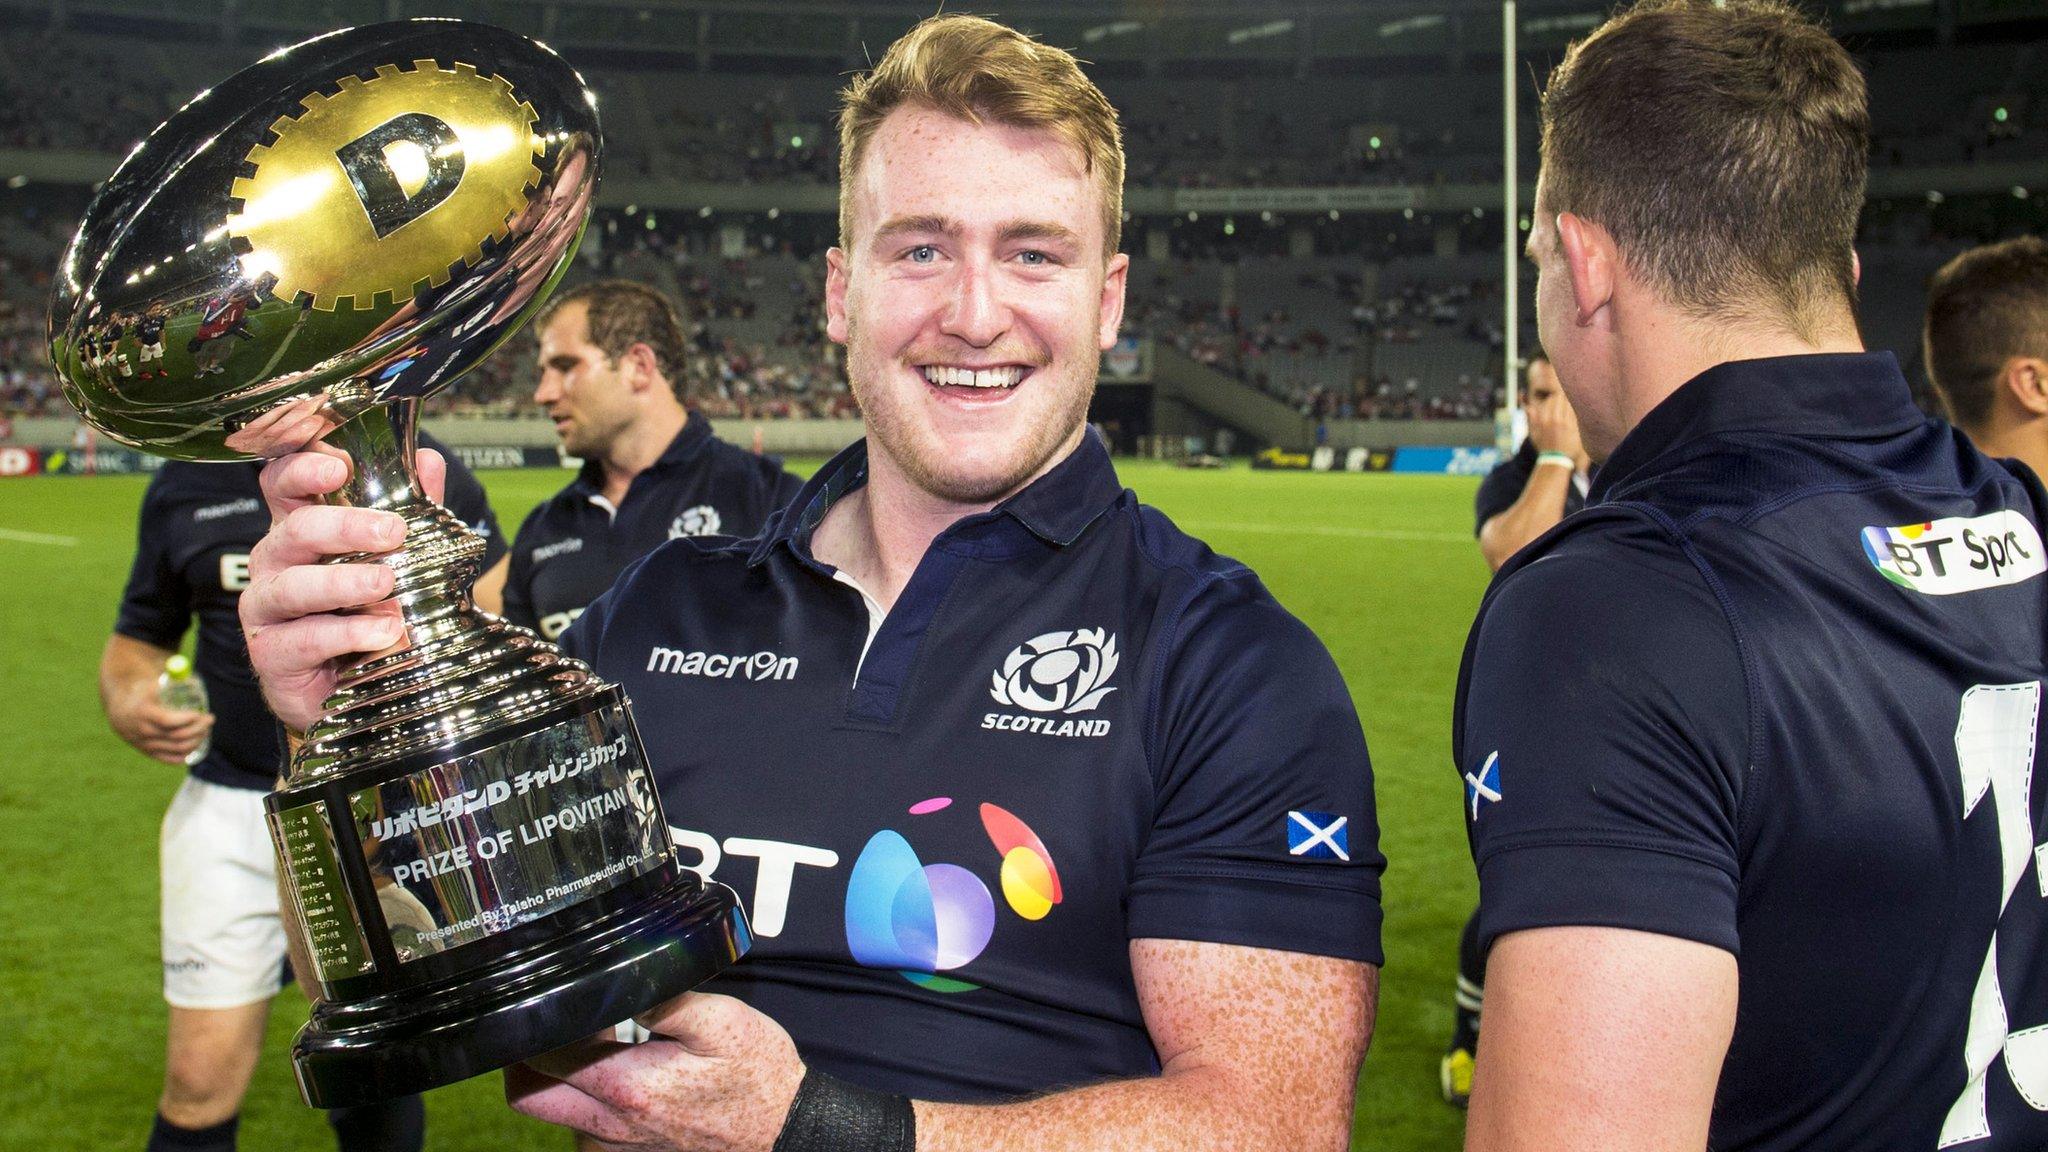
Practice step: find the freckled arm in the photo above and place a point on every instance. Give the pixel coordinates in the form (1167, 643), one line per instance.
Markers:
(1259, 1049)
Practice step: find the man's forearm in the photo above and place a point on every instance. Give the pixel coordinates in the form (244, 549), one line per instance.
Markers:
(1537, 510)
(1242, 1068)
(128, 666)
(1191, 1111)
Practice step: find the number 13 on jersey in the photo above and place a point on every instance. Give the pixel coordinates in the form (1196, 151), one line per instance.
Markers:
(1995, 740)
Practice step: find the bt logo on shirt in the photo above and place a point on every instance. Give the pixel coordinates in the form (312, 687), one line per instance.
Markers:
(1957, 554)
(900, 913)
(923, 919)
(554, 624)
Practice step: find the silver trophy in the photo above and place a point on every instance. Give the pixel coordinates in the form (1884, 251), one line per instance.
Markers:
(471, 837)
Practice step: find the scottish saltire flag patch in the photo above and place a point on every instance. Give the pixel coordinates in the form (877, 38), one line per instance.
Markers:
(1318, 836)
(1483, 787)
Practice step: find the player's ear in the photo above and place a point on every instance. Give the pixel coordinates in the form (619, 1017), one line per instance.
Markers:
(2026, 377)
(1110, 317)
(1591, 258)
(642, 370)
(835, 295)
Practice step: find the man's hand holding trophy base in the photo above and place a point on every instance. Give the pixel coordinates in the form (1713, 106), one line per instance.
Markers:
(470, 837)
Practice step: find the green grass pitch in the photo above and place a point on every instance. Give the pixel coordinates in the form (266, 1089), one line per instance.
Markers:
(1382, 567)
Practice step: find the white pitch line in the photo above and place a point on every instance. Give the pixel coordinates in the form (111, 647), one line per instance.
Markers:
(38, 538)
(298, 322)
(1325, 530)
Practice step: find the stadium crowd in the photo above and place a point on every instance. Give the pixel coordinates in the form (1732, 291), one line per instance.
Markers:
(1333, 345)
(750, 358)
(29, 239)
(1980, 105)
(743, 362)
(1419, 348)
(1332, 373)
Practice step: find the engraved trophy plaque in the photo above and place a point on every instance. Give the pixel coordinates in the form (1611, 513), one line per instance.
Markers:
(470, 837)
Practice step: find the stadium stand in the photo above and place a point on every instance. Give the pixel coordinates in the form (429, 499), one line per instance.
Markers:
(1380, 316)
(1421, 341)
(1931, 105)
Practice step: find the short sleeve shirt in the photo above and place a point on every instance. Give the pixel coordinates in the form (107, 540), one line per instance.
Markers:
(1791, 663)
(198, 524)
(571, 547)
(1076, 727)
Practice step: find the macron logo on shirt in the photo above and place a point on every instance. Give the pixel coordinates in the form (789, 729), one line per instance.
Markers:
(759, 666)
(240, 507)
(548, 552)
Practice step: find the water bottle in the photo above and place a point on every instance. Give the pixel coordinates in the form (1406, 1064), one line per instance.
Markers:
(180, 689)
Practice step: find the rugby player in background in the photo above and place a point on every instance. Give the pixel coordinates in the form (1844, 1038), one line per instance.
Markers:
(223, 939)
(1543, 482)
(1746, 745)
(611, 378)
(966, 644)
(1986, 345)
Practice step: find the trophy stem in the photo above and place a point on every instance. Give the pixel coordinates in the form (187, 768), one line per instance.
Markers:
(440, 553)
(460, 672)
(382, 442)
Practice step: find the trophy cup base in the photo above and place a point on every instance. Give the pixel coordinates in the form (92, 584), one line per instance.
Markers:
(369, 1050)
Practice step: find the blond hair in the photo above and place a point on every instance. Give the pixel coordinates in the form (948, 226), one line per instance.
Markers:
(979, 70)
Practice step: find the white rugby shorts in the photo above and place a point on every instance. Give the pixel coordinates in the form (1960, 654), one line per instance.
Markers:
(223, 941)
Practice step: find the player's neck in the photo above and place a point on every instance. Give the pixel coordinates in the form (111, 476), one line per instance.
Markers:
(1659, 358)
(2026, 443)
(878, 533)
(635, 450)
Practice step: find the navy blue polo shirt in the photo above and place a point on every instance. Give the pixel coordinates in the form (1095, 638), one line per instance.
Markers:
(1787, 703)
(1076, 727)
(571, 547)
(198, 523)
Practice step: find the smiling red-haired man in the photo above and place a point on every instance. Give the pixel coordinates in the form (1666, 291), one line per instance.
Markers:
(1055, 829)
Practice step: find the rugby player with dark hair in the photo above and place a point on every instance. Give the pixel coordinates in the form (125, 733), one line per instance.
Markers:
(1056, 830)
(1747, 744)
(1543, 482)
(1986, 344)
(611, 379)
(223, 938)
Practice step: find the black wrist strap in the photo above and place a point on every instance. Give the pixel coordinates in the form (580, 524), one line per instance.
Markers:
(831, 1115)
